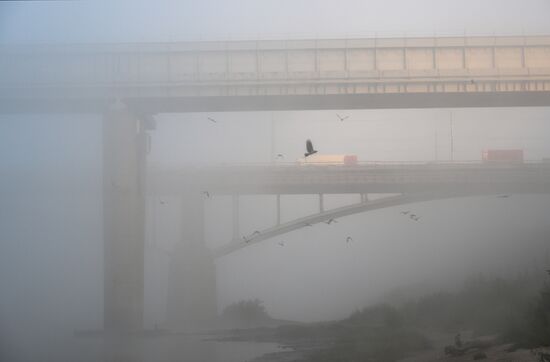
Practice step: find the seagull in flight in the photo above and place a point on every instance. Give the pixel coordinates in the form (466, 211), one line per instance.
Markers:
(281, 243)
(309, 149)
(348, 239)
(212, 120)
(206, 193)
(308, 224)
(280, 155)
(330, 221)
(414, 217)
(341, 118)
(162, 202)
(405, 212)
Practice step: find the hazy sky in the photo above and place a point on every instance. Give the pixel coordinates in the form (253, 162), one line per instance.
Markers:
(138, 20)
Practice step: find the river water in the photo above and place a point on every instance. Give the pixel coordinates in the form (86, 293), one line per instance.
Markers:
(171, 348)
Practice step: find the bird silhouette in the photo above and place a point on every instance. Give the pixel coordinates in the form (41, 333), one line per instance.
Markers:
(405, 212)
(309, 149)
(212, 120)
(348, 239)
(256, 233)
(206, 193)
(330, 221)
(280, 155)
(162, 202)
(341, 118)
(281, 243)
(308, 224)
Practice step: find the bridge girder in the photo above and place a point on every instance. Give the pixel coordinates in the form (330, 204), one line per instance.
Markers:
(429, 72)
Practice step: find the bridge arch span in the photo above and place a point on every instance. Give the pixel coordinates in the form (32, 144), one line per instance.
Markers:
(364, 206)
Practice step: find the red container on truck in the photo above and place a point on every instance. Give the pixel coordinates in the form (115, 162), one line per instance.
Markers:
(511, 156)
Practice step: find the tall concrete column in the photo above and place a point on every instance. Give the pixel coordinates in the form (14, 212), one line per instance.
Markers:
(124, 162)
(192, 299)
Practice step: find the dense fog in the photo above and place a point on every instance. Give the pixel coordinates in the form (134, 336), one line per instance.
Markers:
(52, 179)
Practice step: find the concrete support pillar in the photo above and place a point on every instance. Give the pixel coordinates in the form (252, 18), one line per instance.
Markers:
(192, 298)
(236, 219)
(278, 206)
(124, 162)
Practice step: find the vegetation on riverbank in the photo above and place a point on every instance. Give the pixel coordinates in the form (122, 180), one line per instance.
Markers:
(516, 310)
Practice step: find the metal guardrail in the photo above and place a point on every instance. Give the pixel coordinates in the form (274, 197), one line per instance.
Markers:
(376, 163)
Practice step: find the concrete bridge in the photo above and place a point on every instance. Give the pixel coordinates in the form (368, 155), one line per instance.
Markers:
(405, 182)
(129, 83)
(278, 74)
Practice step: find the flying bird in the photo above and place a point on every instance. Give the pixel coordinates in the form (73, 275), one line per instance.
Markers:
(309, 149)
(212, 120)
(503, 196)
(341, 118)
(308, 224)
(245, 239)
(256, 233)
(281, 243)
(405, 212)
(280, 155)
(348, 239)
(162, 202)
(206, 193)
(548, 271)
(330, 221)
(414, 217)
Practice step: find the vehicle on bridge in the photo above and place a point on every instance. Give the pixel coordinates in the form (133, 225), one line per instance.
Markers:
(326, 160)
(504, 156)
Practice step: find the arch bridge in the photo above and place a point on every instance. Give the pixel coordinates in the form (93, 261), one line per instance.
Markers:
(405, 183)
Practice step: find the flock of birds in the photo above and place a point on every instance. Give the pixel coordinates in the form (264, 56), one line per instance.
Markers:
(310, 151)
(251, 237)
(411, 215)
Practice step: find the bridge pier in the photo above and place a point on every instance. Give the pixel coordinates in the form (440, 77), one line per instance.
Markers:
(236, 219)
(192, 298)
(124, 164)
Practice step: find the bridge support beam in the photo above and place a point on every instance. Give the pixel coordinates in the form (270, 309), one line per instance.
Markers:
(124, 162)
(192, 298)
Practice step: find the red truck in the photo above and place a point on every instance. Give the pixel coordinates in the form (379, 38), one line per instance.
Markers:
(505, 156)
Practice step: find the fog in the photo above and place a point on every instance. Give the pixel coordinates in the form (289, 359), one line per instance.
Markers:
(52, 179)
